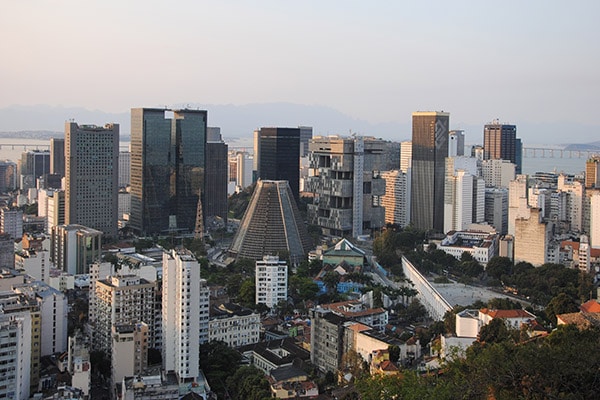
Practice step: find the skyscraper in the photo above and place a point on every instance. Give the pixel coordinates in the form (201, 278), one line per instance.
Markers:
(464, 199)
(215, 195)
(429, 152)
(181, 288)
(396, 199)
(167, 169)
(500, 142)
(57, 156)
(124, 168)
(279, 156)
(92, 173)
(346, 184)
(34, 164)
(456, 143)
(306, 133)
(592, 172)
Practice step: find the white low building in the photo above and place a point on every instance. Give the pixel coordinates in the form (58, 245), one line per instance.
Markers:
(234, 325)
(481, 245)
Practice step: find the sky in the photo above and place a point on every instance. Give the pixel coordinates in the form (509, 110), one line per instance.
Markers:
(516, 61)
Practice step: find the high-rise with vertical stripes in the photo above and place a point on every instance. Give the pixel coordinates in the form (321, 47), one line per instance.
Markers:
(429, 152)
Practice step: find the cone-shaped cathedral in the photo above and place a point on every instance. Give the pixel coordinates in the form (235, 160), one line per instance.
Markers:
(272, 225)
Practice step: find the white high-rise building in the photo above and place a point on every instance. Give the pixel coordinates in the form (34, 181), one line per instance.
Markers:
(497, 173)
(464, 193)
(574, 200)
(584, 254)
(496, 209)
(458, 201)
(53, 306)
(540, 198)
(55, 209)
(11, 222)
(271, 281)
(15, 353)
(405, 156)
(396, 199)
(35, 263)
(181, 314)
(456, 143)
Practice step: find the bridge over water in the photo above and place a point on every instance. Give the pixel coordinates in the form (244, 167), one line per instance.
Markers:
(24, 146)
(42, 147)
(544, 152)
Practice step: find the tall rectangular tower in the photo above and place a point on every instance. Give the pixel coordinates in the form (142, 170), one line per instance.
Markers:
(429, 152)
(592, 172)
(279, 156)
(167, 168)
(215, 198)
(500, 142)
(92, 173)
(181, 298)
(456, 143)
(57, 156)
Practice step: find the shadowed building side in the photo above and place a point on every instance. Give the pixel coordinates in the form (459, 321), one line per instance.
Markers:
(272, 225)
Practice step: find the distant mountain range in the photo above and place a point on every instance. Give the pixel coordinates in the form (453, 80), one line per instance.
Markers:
(237, 122)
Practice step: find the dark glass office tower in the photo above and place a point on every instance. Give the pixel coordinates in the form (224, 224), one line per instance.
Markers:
(279, 156)
(57, 156)
(167, 169)
(215, 195)
(500, 142)
(429, 152)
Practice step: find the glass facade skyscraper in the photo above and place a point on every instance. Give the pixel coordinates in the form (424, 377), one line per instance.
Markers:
(167, 169)
(429, 152)
(500, 142)
(279, 156)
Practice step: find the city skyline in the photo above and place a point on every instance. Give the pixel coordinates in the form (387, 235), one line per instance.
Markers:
(378, 64)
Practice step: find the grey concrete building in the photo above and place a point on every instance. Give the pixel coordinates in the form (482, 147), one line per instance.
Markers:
(91, 176)
(346, 184)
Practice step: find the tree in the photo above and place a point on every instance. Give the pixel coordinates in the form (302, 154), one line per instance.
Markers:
(248, 382)
(498, 266)
(394, 352)
(560, 304)
(247, 295)
(218, 362)
(352, 363)
(496, 331)
(331, 280)
(303, 288)
(505, 303)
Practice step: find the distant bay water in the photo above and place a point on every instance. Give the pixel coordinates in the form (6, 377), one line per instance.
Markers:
(11, 149)
(575, 165)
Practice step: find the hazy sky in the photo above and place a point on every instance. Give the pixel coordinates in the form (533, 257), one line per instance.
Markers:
(373, 60)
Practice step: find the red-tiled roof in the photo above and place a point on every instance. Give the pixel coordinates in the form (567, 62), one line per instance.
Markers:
(507, 313)
(591, 306)
(388, 366)
(594, 252)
